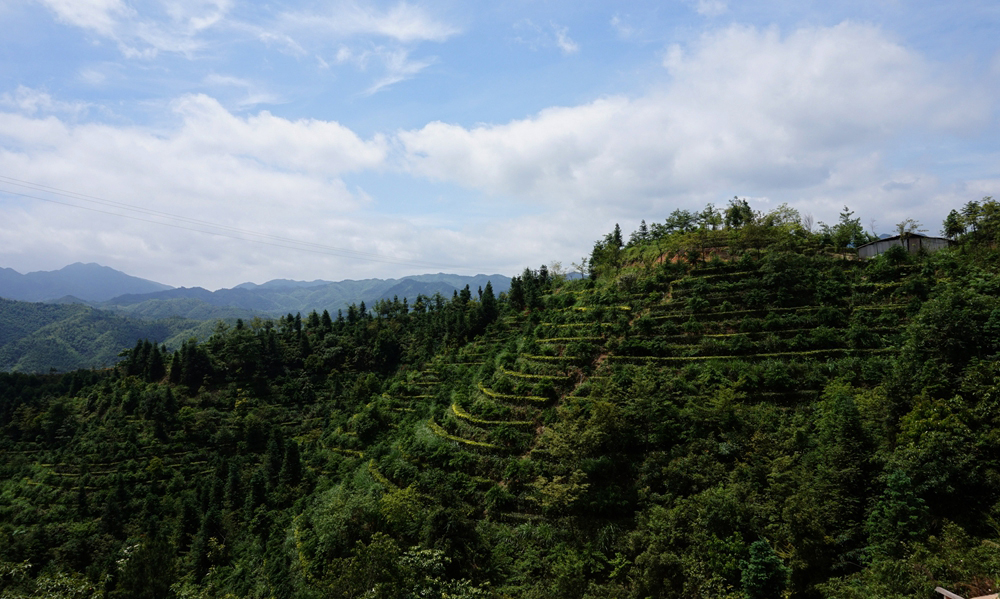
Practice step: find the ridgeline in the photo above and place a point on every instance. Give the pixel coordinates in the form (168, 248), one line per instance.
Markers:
(729, 405)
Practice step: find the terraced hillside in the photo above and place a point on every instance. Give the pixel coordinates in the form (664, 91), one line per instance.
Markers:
(782, 422)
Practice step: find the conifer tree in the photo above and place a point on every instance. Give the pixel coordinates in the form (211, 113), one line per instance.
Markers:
(291, 467)
(155, 370)
(489, 305)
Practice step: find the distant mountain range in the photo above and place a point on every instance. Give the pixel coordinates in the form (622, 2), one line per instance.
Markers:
(91, 282)
(108, 289)
(49, 328)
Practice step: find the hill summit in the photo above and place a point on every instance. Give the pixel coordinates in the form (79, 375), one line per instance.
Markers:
(89, 282)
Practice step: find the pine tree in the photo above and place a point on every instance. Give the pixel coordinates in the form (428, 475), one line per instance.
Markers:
(233, 493)
(516, 294)
(291, 467)
(256, 491)
(155, 369)
(275, 454)
(175, 368)
(82, 505)
(488, 304)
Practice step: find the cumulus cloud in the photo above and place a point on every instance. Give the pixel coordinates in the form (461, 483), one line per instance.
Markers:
(260, 173)
(746, 110)
(819, 117)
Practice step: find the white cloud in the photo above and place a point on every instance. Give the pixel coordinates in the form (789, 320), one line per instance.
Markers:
(403, 22)
(364, 35)
(395, 63)
(143, 29)
(100, 16)
(253, 95)
(32, 101)
(261, 173)
(399, 67)
(197, 15)
(746, 111)
(819, 117)
(622, 27)
(92, 77)
(711, 8)
(269, 37)
(567, 45)
(535, 36)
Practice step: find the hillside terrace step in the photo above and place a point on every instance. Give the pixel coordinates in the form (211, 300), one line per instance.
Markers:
(439, 431)
(751, 356)
(503, 396)
(461, 413)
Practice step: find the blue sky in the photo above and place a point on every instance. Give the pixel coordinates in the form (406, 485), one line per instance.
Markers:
(211, 142)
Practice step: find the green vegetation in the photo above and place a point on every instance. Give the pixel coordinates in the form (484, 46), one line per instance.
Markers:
(729, 405)
(41, 337)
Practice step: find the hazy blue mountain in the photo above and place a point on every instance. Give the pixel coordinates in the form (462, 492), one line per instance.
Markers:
(410, 288)
(108, 289)
(282, 284)
(281, 296)
(500, 282)
(192, 308)
(89, 282)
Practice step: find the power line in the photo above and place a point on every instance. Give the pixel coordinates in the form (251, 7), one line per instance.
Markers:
(233, 232)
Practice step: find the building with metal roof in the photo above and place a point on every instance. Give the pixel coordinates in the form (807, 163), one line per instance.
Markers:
(913, 242)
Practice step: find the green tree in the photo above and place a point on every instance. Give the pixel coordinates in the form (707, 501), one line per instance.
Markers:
(738, 213)
(848, 232)
(908, 227)
(898, 517)
(681, 221)
(710, 218)
(953, 226)
(490, 308)
(765, 576)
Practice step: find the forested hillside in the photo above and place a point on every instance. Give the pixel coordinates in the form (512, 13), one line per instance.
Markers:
(37, 337)
(730, 405)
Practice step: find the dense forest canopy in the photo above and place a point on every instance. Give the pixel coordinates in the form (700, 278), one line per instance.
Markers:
(729, 404)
